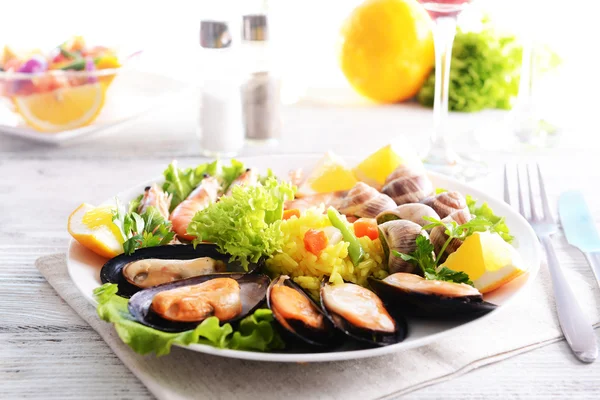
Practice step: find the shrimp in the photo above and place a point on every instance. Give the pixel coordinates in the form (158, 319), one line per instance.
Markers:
(155, 197)
(201, 197)
(247, 178)
(333, 199)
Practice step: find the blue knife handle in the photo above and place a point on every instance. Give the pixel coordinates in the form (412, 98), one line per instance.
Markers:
(593, 259)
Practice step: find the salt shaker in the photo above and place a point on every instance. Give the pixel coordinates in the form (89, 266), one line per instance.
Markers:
(261, 88)
(220, 124)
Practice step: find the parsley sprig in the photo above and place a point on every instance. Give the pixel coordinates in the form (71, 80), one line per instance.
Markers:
(423, 257)
(149, 229)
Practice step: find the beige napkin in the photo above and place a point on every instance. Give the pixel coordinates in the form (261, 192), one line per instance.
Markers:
(528, 323)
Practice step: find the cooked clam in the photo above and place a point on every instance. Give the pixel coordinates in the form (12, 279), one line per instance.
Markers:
(298, 315)
(361, 314)
(182, 305)
(413, 212)
(365, 201)
(399, 235)
(157, 265)
(438, 234)
(414, 295)
(446, 203)
(155, 271)
(408, 185)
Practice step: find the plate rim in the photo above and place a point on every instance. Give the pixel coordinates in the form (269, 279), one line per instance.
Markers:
(532, 273)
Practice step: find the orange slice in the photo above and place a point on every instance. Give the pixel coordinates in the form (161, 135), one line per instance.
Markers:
(61, 109)
(93, 228)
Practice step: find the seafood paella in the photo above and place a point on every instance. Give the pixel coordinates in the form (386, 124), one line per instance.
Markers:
(331, 259)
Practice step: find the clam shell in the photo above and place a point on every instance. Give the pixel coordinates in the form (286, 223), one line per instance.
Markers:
(413, 303)
(400, 235)
(112, 271)
(446, 203)
(411, 212)
(365, 201)
(253, 292)
(438, 236)
(408, 185)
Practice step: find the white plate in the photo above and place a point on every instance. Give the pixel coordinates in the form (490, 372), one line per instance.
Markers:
(84, 268)
(132, 93)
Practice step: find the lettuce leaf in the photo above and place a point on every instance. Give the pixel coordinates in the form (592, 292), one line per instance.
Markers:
(245, 224)
(255, 333)
(180, 182)
(485, 212)
(230, 173)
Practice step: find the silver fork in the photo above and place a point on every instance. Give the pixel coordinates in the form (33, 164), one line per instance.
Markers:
(575, 325)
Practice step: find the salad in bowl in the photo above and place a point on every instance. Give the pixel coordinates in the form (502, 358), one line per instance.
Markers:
(60, 89)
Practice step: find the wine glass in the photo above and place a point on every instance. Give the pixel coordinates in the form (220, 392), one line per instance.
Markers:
(440, 156)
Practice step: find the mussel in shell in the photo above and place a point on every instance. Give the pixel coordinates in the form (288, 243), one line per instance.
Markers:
(414, 295)
(360, 314)
(413, 212)
(182, 305)
(297, 314)
(153, 266)
(401, 236)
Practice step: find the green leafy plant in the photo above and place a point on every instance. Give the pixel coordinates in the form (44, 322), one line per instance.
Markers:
(146, 230)
(485, 70)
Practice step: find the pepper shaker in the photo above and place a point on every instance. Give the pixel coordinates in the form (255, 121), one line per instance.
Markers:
(261, 88)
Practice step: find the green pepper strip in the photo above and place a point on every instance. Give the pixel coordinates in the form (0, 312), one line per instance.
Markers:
(78, 65)
(69, 54)
(355, 250)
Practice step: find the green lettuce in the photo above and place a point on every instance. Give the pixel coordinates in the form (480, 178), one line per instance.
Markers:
(485, 212)
(229, 173)
(485, 70)
(255, 332)
(245, 224)
(180, 182)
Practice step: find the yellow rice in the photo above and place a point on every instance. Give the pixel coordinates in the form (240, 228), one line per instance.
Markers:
(307, 270)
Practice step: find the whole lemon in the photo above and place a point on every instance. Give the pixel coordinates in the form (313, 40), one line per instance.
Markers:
(387, 49)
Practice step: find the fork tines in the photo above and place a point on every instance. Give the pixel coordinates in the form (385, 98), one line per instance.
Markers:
(530, 188)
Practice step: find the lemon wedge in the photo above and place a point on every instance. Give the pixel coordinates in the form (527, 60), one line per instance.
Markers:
(93, 228)
(374, 169)
(329, 175)
(489, 261)
(62, 109)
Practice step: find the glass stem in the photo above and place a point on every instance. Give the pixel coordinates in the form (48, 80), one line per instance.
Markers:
(443, 35)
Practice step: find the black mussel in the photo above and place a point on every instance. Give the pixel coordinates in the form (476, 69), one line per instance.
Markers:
(298, 316)
(360, 314)
(182, 305)
(153, 266)
(414, 295)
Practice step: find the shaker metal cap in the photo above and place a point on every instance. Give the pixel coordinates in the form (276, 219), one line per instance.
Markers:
(214, 34)
(255, 27)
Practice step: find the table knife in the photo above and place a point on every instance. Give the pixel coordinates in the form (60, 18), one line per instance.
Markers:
(579, 228)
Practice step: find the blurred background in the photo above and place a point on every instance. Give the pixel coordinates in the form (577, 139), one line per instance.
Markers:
(305, 36)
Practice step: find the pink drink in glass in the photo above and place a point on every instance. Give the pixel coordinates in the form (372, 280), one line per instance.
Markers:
(444, 8)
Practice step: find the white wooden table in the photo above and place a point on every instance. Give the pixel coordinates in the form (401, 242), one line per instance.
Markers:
(47, 352)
